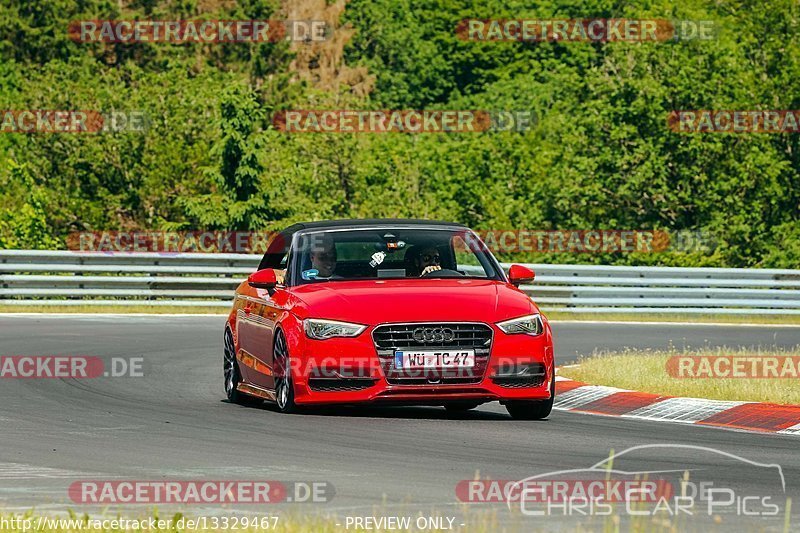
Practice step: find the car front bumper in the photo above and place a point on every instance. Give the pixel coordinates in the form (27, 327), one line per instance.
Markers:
(349, 370)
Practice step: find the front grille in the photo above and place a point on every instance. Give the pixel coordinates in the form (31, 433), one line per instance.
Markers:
(399, 336)
(340, 385)
(440, 336)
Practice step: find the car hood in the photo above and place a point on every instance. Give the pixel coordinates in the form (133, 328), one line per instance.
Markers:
(417, 300)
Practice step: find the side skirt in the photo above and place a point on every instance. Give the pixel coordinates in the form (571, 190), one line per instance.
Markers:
(254, 390)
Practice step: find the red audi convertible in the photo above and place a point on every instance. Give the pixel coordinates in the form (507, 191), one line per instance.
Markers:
(395, 311)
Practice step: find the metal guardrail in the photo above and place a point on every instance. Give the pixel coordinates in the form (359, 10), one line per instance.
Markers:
(31, 277)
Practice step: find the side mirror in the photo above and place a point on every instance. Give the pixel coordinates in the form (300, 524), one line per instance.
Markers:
(263, 279)
(518, 275)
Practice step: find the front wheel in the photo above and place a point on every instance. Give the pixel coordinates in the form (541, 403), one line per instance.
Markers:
(535, 409)
(284, 389)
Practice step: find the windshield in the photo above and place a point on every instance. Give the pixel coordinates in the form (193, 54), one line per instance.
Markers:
(384, 253)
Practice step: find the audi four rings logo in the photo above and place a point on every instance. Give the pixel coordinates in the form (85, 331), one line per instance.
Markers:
(433, 335)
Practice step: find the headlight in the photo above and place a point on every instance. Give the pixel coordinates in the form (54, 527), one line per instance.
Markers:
(530, 325)
(319, 329)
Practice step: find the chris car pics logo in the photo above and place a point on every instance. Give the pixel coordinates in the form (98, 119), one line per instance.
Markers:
(678, 480)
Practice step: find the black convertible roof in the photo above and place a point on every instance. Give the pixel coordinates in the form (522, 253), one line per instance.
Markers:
(278, 245)
(360, 222)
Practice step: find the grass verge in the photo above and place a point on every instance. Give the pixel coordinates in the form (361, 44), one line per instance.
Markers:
(155, 523)
(646, 371)
(474, 522)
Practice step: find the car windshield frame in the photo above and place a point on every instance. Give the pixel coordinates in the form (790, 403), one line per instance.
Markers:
(492, 266)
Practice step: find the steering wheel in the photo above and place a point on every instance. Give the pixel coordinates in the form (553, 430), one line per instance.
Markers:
(443, 273)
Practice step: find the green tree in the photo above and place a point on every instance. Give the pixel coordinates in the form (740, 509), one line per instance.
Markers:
(23, 224)
(241, 200)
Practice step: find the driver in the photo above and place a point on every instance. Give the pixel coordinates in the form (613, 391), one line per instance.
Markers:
(426, 260)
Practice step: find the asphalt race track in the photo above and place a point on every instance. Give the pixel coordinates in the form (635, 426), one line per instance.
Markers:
(173, 423)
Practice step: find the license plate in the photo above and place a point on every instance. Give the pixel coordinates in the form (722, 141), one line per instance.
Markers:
(434, 359)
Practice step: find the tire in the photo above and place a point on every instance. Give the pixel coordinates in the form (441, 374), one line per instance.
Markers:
(460, 407)
(284, 388)
(233, 376)
(533, 410)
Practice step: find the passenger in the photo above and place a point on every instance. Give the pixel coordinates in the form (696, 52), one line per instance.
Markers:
(323, 259)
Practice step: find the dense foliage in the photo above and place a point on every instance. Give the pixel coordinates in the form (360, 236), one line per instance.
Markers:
(601, 155)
